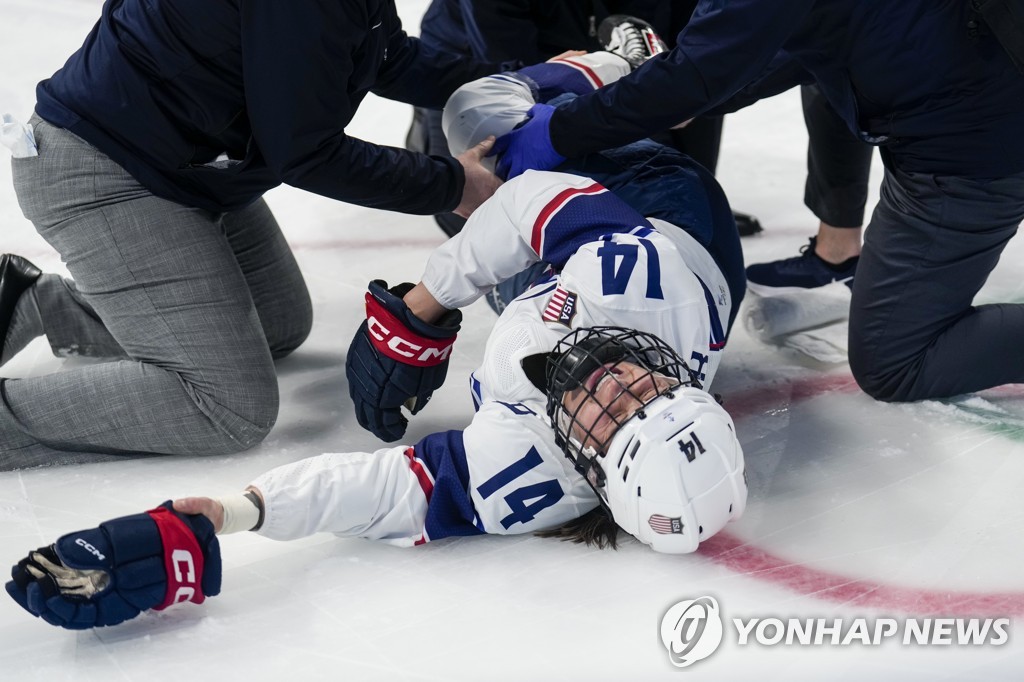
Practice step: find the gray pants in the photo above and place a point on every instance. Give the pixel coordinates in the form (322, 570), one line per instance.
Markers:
(192, 307)
(930, 246)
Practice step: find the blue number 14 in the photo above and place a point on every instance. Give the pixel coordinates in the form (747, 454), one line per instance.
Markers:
(527, 501)
(618, 261)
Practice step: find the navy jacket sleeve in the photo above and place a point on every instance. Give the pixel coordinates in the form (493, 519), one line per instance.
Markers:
(782, 74)
(502, 30)
(307, 66)
(726, 45)
(423, 75)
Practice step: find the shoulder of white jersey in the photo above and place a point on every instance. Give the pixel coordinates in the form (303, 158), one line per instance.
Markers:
(519, 332)
(542, 195)
(559, 212)
(536, 189)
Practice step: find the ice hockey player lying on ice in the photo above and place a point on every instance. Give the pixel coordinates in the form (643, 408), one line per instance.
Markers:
(592, 393)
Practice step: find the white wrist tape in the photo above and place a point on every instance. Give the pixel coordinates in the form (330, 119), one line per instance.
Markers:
(240, 513)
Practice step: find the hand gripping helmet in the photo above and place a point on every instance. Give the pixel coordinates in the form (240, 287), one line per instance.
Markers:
(661, 453)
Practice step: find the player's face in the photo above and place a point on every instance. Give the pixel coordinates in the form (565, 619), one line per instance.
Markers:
(608, 398)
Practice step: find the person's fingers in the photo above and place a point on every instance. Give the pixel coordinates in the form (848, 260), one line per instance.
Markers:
(210, 508)
(500, 145)
(568, 53)
(481, 183)
(482, 149)
(187, 505)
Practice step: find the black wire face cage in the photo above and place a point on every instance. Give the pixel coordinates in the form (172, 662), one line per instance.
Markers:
(576, 357)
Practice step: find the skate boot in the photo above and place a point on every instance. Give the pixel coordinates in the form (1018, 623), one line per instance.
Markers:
(800, 273)
(630, 38)
(16, 276)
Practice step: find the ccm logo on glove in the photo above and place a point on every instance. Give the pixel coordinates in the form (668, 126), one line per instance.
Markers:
(420, 351)
(89, 548)
(180, 558)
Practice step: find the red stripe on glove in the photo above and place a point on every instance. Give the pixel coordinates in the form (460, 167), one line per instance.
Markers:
(183, 559)
(392, 338)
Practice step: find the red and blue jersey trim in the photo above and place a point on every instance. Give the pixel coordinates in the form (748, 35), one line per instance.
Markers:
(439, 463)
(551, 79)
(426, 483)
(588, 73)
(718, 333)
(577, 216)
(548, 213)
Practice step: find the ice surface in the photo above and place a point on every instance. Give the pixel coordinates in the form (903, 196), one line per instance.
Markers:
(856, 508)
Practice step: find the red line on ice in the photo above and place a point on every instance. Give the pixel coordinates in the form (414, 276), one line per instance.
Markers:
(742, 557)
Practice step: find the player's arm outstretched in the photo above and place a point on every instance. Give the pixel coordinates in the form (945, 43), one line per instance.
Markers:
(491, 478)
(112, 573)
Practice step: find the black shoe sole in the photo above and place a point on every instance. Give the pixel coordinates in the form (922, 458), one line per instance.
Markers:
(16, 276)
(746, 224)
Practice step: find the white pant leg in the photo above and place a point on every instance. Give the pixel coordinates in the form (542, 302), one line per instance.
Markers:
(356, 494)
(494, 105)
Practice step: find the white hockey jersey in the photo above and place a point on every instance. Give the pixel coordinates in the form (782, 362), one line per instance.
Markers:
(504, 472)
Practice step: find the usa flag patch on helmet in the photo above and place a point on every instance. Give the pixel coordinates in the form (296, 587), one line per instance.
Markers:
(665, 525)
(562, 307)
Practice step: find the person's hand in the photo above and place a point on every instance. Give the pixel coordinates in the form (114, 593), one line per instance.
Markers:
(567, 54)
(396, 359)
(210, 508)
(528, 146)
(110, 574)
(481, 183)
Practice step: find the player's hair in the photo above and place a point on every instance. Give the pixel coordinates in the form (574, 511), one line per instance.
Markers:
(596, 528)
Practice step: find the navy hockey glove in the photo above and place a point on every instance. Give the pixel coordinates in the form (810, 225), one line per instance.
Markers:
(395, 359)
(528, 146)
(107, 575)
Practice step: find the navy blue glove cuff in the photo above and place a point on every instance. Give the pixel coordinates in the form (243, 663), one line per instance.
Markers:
(445, 328)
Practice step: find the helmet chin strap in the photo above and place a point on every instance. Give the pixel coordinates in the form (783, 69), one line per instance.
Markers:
(587, 465)
(590, 469)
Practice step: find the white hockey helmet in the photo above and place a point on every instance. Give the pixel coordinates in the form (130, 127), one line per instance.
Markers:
(659, 451)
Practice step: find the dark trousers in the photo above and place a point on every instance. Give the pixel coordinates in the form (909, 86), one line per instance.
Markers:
(838, 164)
(931, 244)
